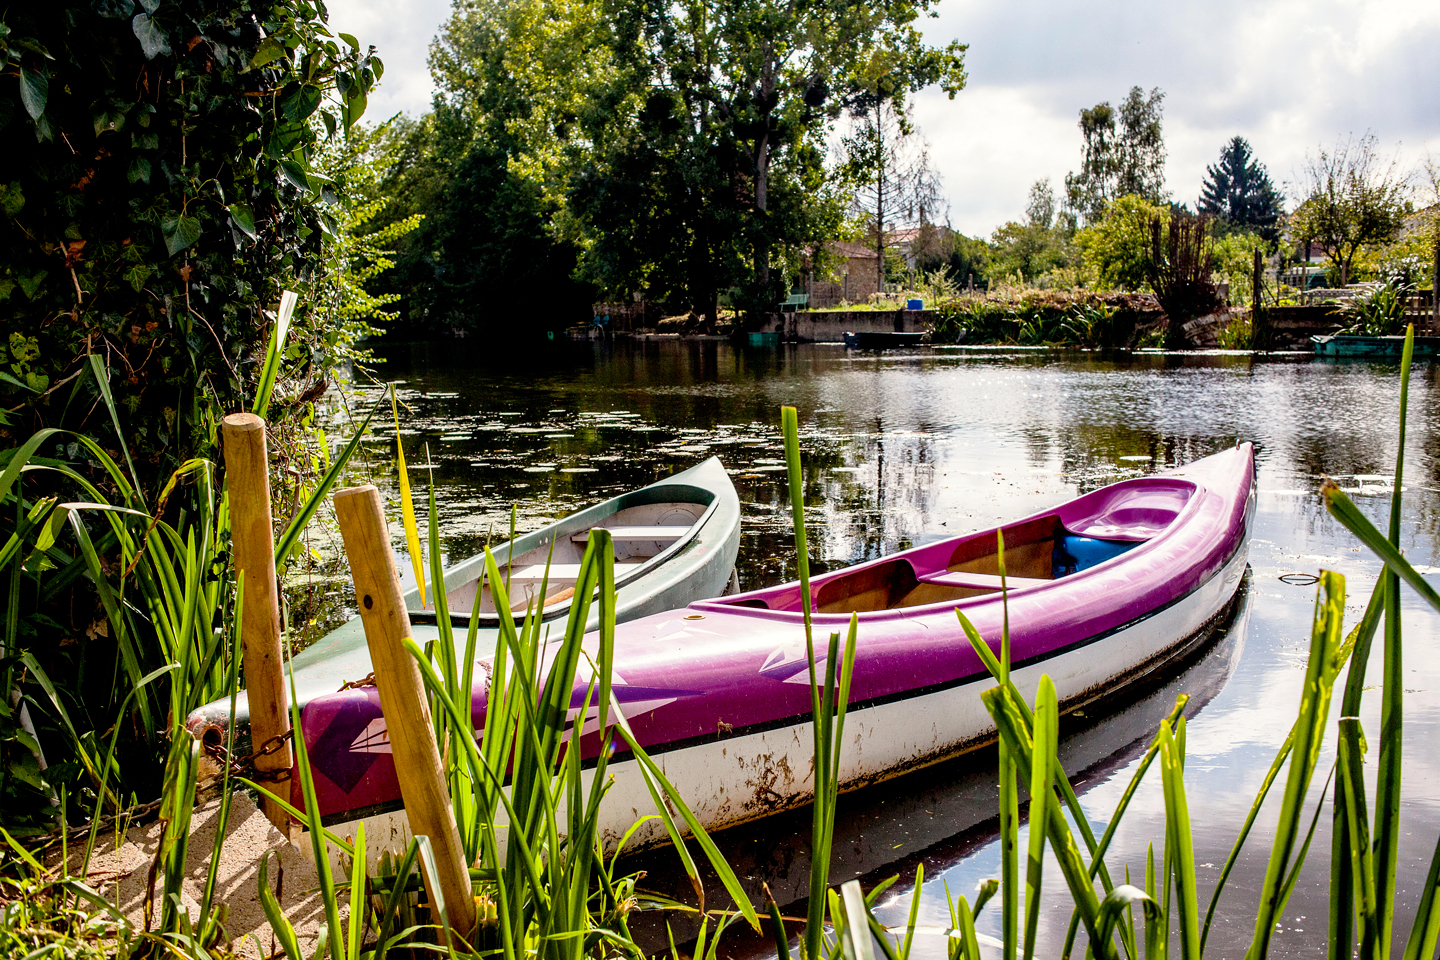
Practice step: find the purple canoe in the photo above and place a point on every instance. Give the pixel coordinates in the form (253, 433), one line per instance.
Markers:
(1102, 591)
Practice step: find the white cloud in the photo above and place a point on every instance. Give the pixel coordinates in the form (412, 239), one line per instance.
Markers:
(401, 33)
(1288, 75)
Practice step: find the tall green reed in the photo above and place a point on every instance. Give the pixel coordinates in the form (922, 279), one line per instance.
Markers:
(1363, 850)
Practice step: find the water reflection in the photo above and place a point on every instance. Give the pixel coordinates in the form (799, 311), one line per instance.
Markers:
(903, 449)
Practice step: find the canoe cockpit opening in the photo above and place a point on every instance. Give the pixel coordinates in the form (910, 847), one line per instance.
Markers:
(1036, 551)
(639, 534)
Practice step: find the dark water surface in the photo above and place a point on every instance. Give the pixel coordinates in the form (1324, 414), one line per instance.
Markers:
(905, 448)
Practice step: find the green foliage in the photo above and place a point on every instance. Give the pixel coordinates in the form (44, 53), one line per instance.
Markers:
(581, 147)
(1037, 318)
(159, 185)
(1379, 311)
(1123, 153)
(1233, 261)
(1353, 198)
(1238, 334)
(1039, 245)
(360, 251)
(1117, 244)
(1237, 192)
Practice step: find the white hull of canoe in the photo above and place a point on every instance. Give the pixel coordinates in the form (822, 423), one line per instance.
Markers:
(731, 781)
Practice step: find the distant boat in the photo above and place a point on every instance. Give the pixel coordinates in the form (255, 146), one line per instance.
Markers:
(675, 542)
(1103, 591)
(1341, 345)
(882, 340)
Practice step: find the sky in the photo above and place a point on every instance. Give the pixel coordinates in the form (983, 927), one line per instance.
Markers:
(1288, 75)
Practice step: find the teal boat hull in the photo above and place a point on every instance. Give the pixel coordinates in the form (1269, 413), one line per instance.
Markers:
(1375, 347)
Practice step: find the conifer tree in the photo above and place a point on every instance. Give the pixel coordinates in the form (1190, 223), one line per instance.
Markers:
(1238, 191)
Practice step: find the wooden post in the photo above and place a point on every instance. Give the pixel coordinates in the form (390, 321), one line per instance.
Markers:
(1259, 336)
(247, 480)
(1435, 287)
(403, 699)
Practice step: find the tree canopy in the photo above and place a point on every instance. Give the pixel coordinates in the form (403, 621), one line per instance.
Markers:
(1238, 191)
(1123, 152)
(618, 147)
(1353, 197)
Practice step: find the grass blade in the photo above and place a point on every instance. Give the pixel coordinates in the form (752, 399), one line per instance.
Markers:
(1046, 727)
(407, 505)
(1327, 655)
(1387, 770)
(273, 354)
(1177, 821)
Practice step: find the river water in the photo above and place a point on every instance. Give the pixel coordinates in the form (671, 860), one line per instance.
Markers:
(909, 447)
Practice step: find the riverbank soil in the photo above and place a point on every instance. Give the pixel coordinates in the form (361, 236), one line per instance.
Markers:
(121, 875)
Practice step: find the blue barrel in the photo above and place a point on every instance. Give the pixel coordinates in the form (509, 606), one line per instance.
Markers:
(914, 304)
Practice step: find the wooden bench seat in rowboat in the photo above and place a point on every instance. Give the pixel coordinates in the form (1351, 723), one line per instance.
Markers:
(670, 534)
(983, 581)
(558, 572)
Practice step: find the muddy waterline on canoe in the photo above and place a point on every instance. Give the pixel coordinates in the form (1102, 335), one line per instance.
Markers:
(908, 447)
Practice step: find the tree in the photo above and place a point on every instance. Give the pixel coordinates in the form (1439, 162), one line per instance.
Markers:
(1353, 197)
(1179, 268)
(1117, 245)
(1035, 247)
(888, 166)
(769, 77)
(1123, 153)
(490, 166)
(1238, 192)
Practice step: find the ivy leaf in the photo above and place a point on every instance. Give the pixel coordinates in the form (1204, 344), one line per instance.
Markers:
(295, 173)
(6, 288)
(139, 171)
(150, 5)
(179, 232)
(34, 90)
(116, 9)
(137, 275)
(244, 218)
(12, 199)
(270, 50)
(152, 38)
(32, 283)
(304, 101)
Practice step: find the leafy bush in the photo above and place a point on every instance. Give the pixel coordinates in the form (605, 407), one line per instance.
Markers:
(1238, 334)
(1041, 317)
(1117, 246)
(157, 185)
(1380, 310)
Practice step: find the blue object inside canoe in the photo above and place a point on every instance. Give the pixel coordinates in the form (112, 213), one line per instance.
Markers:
(1073, 554)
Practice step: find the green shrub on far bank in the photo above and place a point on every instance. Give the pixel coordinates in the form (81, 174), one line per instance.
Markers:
(1044, 317)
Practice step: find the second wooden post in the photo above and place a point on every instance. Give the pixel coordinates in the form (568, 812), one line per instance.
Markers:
(403, 699)
(247, 482)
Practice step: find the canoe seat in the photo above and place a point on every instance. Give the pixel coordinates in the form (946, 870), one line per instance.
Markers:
(558, 572)
(662, 534)
(983, 581)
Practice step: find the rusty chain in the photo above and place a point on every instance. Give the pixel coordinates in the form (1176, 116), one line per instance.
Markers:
(245, 766)
(366, 681)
